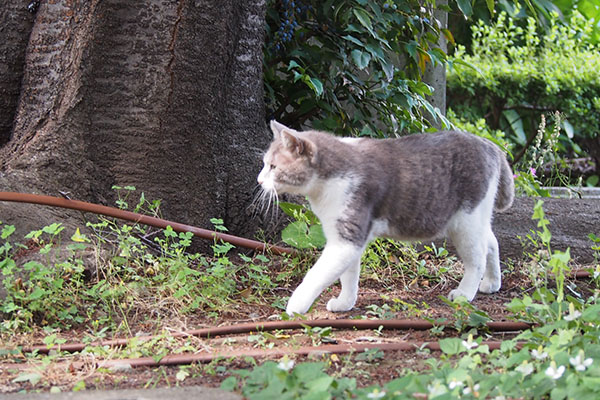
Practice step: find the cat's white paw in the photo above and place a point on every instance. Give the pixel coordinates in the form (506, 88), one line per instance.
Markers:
(340, 305)
(489, 285)
(297, 305)
(456, 293)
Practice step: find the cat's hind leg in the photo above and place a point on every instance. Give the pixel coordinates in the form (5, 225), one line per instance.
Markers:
(347, 298)
(492, 278)
(471, 245)
(337, 257)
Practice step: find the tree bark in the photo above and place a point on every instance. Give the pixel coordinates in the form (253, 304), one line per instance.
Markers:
(435, 75)
(163, 95)
(15, 26)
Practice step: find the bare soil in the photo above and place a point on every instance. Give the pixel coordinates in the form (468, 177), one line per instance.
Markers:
(65, 371)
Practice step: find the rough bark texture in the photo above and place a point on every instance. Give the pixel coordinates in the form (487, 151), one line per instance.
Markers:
(571, 221)
(163, 95)
(15, 25)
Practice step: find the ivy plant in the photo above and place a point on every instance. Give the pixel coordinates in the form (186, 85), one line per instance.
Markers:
(352, 66)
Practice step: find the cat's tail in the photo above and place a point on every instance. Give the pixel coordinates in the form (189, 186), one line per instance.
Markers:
(506, 186)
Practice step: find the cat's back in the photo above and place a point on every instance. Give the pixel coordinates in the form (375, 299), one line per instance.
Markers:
(429, 152)
(442, 142)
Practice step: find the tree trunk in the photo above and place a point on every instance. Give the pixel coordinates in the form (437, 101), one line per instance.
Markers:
(15, 27)
(163, 95)
(435, 75)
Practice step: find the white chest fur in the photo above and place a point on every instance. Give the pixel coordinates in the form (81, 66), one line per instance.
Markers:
(328, 199)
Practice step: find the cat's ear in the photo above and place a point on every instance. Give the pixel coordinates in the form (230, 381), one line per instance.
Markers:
(278, 127)
(298, 145)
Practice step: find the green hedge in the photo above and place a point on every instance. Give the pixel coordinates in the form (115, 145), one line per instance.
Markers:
(514, 75)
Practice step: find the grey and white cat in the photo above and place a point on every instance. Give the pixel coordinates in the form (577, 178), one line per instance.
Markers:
(417, 187)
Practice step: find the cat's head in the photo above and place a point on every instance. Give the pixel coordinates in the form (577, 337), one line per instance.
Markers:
(289, 162)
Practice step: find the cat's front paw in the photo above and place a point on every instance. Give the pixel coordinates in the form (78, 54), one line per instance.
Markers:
(297, 306)
(456, 293)
(340, 305)
(489, 285)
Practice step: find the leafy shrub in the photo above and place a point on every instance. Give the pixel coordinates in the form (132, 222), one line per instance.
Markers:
(514, 75)
(351, 66)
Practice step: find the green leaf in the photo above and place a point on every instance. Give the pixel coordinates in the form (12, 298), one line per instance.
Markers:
(36, 294)
(388, 69)
(591, 313)
(7, 266)
(354, 40)
(560, 258)
(229, 384)
(538, 211)
(361, 58)
(531, 8)
(478, 318)
(320, 384)
(363, 17)
(293, 209)
(79, 386)
(411, 49)
(316, 236)
(465, 7)
(569, 130)
(490, 5)
(296, 235)
(516, 124)
(7, 231)
(294, 64)
(451, 346)
(53, 229)
(448, 35)
(317, 86)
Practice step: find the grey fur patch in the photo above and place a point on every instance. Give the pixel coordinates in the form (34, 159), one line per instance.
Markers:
(416, 183)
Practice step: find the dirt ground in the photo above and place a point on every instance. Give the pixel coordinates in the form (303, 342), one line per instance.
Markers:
(376, 301)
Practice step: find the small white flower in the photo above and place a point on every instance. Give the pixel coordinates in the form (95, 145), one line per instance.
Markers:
(500, 398)
(454, 383)
(573, 313)
(469, 390)
(539, 354)
(286, 364)
(469, 343)
(525, 368)
(580, 362)
(376, 394)
(554, 372)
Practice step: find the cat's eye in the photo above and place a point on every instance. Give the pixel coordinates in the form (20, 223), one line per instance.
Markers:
(273, 166)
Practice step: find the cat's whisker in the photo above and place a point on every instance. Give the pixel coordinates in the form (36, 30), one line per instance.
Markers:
(256, 204)
(265, 204)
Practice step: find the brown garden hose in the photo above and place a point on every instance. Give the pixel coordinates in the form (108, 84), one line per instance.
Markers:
(189, 358)
(140, 218)
(184, 359)
(352, 324)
